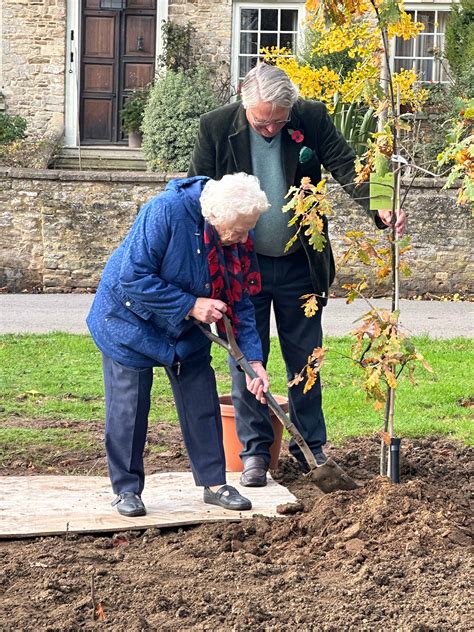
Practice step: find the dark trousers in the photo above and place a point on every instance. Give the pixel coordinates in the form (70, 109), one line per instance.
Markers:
(284, 280)
(127, 401)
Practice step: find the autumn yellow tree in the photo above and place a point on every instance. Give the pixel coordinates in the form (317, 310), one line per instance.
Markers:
(363, 29)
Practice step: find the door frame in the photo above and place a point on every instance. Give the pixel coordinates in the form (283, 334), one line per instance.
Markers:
(73, 65)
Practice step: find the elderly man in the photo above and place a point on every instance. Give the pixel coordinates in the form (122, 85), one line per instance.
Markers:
(187, 257)
(263, 135)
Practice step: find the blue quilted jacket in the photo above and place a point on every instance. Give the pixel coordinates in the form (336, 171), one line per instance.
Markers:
(152, 281)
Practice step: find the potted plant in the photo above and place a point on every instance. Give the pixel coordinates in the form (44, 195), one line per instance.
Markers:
(132, 116)
(232, 444)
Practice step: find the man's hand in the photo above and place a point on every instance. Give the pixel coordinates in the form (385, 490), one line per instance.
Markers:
(208, 310)
(386, 217)
(259, 385)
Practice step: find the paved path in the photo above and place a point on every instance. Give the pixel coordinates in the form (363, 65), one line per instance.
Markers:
(42, 313)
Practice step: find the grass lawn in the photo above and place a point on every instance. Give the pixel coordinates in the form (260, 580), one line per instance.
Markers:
(58, 376)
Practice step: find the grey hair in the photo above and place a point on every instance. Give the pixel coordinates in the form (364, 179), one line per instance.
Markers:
(232, 197)
(269, 84)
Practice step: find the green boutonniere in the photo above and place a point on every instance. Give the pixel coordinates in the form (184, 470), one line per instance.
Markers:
(305, 155)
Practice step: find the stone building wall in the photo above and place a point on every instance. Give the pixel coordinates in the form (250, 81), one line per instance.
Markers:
(441, 258)
(57, 229)
(33, 61)
(212, 20)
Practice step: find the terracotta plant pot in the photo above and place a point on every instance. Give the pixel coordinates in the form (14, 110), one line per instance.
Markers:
(232, 445)
(134, 140)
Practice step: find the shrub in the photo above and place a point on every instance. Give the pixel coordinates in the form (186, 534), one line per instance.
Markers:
(171, 120)
(11, 128)
(459, 44)
(133, 110)
(177, 46)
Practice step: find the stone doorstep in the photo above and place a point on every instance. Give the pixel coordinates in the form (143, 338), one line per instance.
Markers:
(97, 151)
(87, 175)
(89, 164)
(101, 158)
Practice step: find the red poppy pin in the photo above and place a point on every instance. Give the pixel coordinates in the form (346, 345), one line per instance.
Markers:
(296, 135)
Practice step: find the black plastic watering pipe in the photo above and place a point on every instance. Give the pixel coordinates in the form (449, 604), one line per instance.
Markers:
(395, 459)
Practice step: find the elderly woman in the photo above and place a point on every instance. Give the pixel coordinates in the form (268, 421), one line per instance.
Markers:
(188, 256)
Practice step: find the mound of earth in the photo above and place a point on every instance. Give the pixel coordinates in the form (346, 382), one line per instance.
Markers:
(391, 557)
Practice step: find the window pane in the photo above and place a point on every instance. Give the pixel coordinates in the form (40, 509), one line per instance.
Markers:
(249, 19)
(403, 48)
(268, 39)
(289, 20)
(112, 4)
(405, 64)
(246, 64)
(424, 68)
(442, 19)
(249, 43)
(425, 46)
(439, 43)
(288, 40)
(428, 19)
(269, 20)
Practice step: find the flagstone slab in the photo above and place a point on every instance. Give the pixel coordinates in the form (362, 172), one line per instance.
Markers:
(52, 505)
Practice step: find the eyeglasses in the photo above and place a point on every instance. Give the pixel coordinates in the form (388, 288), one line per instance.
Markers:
(268, 123)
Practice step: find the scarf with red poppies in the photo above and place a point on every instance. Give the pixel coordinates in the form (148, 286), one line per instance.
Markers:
(233, 270)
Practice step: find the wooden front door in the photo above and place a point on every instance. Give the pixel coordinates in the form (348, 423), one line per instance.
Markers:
(118, 56)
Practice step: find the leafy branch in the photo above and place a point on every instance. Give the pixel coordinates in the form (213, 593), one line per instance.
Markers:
(310, 206)
(310, 371)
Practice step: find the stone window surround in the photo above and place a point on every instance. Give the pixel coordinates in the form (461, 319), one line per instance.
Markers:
(73, 61)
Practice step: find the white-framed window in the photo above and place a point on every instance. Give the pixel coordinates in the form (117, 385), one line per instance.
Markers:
(262, 25)
(421, 53)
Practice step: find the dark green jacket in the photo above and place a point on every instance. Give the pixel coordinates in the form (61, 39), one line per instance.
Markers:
(223, 147)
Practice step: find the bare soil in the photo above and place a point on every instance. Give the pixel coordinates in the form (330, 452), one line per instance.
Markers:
(383, 557)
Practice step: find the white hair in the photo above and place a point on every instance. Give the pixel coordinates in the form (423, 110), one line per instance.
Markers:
(232, 197)
(269, 84)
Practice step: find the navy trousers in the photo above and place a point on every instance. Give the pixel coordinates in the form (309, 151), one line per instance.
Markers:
(284, 280)
(127, 400)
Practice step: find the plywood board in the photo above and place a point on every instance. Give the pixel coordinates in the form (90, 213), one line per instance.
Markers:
(51, 505)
